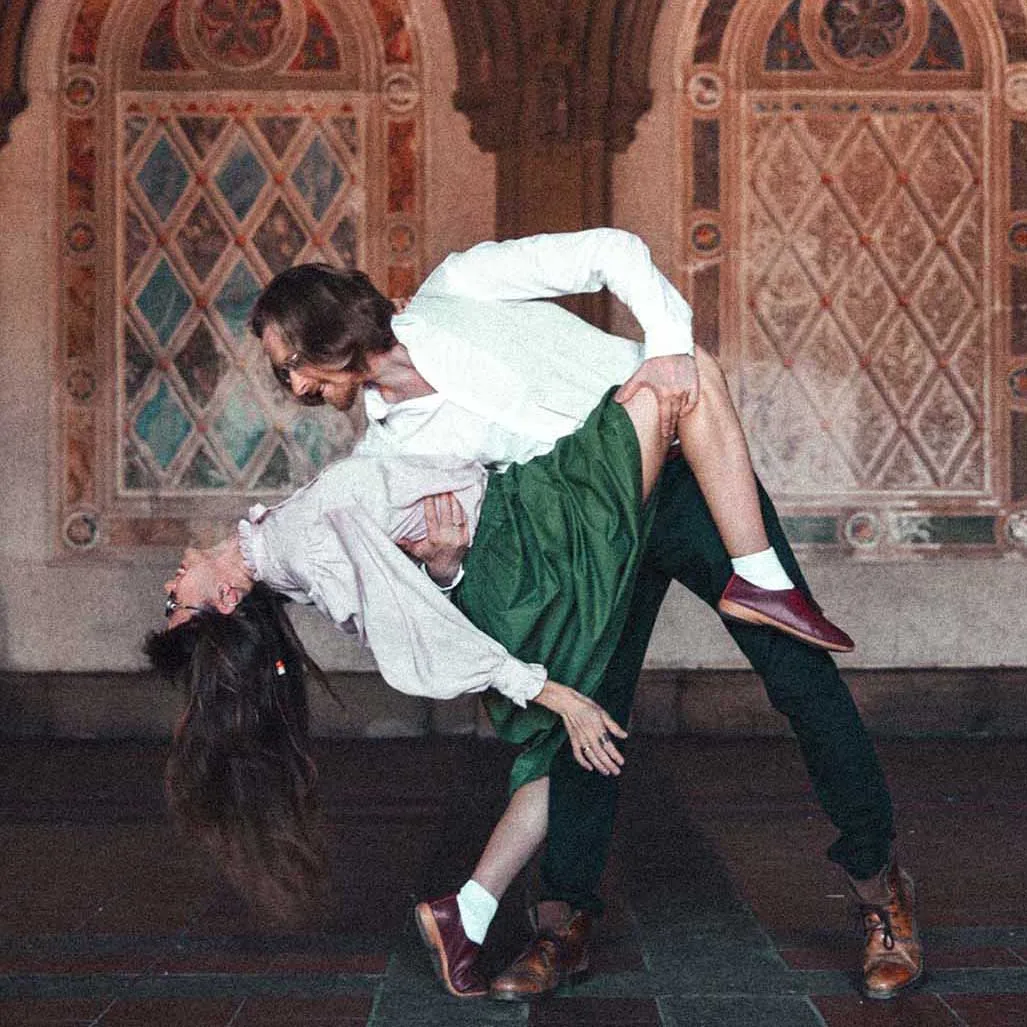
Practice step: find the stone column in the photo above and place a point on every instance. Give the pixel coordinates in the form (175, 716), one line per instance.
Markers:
(14, 23)
(553, 88)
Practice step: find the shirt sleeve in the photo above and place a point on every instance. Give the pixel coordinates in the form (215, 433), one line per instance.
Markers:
(562, 264)
(359, 578)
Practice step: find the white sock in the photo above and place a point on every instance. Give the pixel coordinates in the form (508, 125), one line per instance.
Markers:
(763, 570)
(477, 908)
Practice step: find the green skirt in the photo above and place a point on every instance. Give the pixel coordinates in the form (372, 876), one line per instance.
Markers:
(552, 570)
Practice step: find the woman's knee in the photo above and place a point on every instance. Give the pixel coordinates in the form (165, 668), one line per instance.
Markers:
(712, 382)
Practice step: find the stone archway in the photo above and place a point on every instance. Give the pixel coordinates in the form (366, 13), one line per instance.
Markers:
(207, 147)
(848, 230)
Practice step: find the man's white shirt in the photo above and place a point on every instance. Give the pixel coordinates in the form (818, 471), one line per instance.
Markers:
(512, 372)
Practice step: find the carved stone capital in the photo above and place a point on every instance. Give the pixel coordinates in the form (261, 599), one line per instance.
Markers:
(14, 23)
(570, 71)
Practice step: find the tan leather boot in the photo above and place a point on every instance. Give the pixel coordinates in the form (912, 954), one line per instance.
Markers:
(892, 956)
(554, 956)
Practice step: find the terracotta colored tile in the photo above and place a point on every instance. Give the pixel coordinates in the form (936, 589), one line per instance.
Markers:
(336, 963)
(915, 1009)
(613, 956)
(827, 958)
(566, 1012)
(990, 1010)
(109, 963)
(213, 963)
(47, 1012)
(343, 1010)
(846, 957)
(171, 1013)
(15, 963)
(954, 959)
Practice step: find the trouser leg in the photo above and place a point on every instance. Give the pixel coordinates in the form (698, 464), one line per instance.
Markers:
(582, 804)
(801, 682)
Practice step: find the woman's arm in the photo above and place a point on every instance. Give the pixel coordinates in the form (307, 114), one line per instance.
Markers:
(357, 576)
(590, 728)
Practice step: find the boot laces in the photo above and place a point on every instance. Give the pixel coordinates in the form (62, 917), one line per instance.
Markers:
(878, 918)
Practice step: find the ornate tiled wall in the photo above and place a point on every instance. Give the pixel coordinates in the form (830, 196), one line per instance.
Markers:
(208, 145)
(854, 244)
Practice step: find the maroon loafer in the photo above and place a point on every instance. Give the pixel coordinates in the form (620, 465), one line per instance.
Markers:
(452, 953)
(787, 610)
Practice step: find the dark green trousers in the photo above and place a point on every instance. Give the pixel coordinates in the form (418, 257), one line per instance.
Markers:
(802, 683)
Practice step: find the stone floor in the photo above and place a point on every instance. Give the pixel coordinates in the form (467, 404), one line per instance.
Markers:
(722, 911)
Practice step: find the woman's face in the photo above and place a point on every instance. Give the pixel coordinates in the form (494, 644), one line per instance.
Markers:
(194, 585)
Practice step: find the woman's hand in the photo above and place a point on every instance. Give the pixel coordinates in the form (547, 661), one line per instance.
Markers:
(443, 549)
(590, 728)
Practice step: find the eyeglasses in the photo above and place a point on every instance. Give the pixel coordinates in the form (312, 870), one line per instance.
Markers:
(171, 604)
(283, 375)
(283, 371)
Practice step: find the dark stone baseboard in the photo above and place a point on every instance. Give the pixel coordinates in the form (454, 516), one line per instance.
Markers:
(968, 702)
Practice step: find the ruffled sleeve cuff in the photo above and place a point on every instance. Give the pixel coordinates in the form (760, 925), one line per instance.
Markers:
(247, 546)
(519, 682)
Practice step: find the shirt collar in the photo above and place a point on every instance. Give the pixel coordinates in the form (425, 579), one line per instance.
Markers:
(378, 410)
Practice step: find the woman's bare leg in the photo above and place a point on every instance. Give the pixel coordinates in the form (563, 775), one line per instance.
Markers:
(713, 443)
(514, 840)
(645, 416)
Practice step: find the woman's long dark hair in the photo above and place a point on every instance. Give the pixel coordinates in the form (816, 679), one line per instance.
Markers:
(240, 777)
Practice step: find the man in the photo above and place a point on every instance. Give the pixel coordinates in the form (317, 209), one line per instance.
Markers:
(477, 366)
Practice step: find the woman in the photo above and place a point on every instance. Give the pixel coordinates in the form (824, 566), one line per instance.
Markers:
(556, 544)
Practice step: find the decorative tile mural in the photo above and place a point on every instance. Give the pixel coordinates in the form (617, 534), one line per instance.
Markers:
(238, 144)
(850, 274)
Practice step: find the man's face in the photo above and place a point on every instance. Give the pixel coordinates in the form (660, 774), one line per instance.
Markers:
(195, 584)
(339, 389)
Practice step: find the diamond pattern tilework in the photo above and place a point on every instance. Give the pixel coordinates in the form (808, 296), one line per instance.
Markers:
(241, 178)
(276, 471)
(204, 472)
(202, 133)
(862, 175)
(163, 301)
(241, 426)
(863, 272)
(138, 364)
(248, 195)
(318, 177)
(198, 173)
(236, 298)
(344, 241)
(280, 238)
(278, 132)
(202, 239)
(163, 178)
(201, 365)
(162, 425)
(138, 240)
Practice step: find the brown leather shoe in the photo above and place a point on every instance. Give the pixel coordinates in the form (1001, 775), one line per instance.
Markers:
(892, 956)
(553, 957)
(452, 952)
(788, 610)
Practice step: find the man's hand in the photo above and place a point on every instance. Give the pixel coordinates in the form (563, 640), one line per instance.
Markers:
(675, 382)
(590, 728)
(443, 549)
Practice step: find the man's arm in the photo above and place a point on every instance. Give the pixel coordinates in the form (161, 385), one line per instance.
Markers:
(566, 263)
(546, 266)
